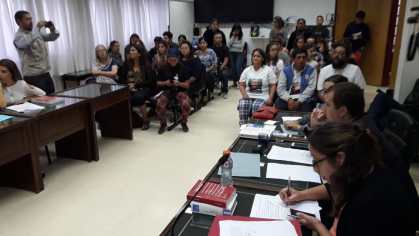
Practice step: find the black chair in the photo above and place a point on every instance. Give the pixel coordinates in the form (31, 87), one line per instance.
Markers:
(400, 124)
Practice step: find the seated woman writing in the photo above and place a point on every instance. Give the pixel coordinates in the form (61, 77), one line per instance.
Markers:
(13, 88)
(367, 197)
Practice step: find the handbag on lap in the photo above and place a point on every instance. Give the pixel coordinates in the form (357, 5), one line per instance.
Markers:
(265, 113)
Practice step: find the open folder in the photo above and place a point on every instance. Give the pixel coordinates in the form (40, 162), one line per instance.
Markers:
(215, 227)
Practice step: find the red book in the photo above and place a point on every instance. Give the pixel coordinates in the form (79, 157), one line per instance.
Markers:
(215, 226)
(212, 193)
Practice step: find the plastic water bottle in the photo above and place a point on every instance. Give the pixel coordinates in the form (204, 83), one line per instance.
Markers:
(226, 170)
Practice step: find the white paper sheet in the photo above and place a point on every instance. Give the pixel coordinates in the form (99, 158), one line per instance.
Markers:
(311, 207)
(270, 122)
(256, 228)
(290, 154)
(290, 118)
(25, 107)
(269, 207)
(253, 130)
(296, 172)
(272, 207)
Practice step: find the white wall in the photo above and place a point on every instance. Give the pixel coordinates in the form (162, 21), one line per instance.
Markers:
(181, 18)
(408, 71)
(307, 9)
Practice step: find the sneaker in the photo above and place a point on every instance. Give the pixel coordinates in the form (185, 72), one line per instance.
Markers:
(162, 128)
(146, 125)
(185, 127)
(225, 96)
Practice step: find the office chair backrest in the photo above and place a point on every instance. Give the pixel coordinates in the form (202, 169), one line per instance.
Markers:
(411, 104)
(406, 128)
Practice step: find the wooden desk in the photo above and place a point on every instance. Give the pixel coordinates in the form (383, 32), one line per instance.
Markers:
(69, 124)
(19, 156)
(111, 105)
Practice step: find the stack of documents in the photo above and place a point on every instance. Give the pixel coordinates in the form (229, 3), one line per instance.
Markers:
(245, 164)
(256, 228)
(295, 172)
(254, 130)
(272, 207)
(290, 154)
(25, 107)
(290, 118)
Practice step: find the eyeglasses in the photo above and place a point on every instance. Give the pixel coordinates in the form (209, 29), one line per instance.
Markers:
(316, 162)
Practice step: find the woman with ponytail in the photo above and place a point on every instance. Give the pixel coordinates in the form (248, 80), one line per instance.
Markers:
(367, 198)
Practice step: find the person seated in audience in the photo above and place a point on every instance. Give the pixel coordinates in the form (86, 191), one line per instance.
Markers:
(134, 39)
(311, 40)
(191, 63)
(236, 47)
(223, 59)
(181, 38)
(13, 88)
(277, 33)
(213, 28)
(141, 80)
(320, 31)
(283, 53)
(160, 59)
(299, 43)
(349, 159)
(313, 57)
(115, 53)
(300, 29)
(340, 65)
(168, 38)
(257, 86)
(272, 59)
(323, 49)
(209, 58)
(105, 70)
(296, 84)
(174, 81)
(153, 51)
(305, 120)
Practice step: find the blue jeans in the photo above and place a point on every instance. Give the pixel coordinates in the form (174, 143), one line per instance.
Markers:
(236, 65)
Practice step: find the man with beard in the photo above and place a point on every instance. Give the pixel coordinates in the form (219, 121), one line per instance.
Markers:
(31, 44)
(341, 66)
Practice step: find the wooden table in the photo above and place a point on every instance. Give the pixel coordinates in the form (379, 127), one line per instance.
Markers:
(19, 156)
(111, 105)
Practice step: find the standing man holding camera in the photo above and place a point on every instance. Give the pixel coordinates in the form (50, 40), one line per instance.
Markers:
(33, 51)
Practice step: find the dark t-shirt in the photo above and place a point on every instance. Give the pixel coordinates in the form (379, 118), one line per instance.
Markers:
(379, 206)
(222, 52)
(209, 37)
(320, 32)
(291, 41)
(178, 72)
(358, 34)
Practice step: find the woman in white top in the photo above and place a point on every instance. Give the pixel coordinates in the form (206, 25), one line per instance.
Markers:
(257, 86)
(236, 46)
(14, 89)
(272, 59)
(105, 70)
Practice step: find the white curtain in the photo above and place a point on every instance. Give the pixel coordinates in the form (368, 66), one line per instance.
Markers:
(84, 24)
